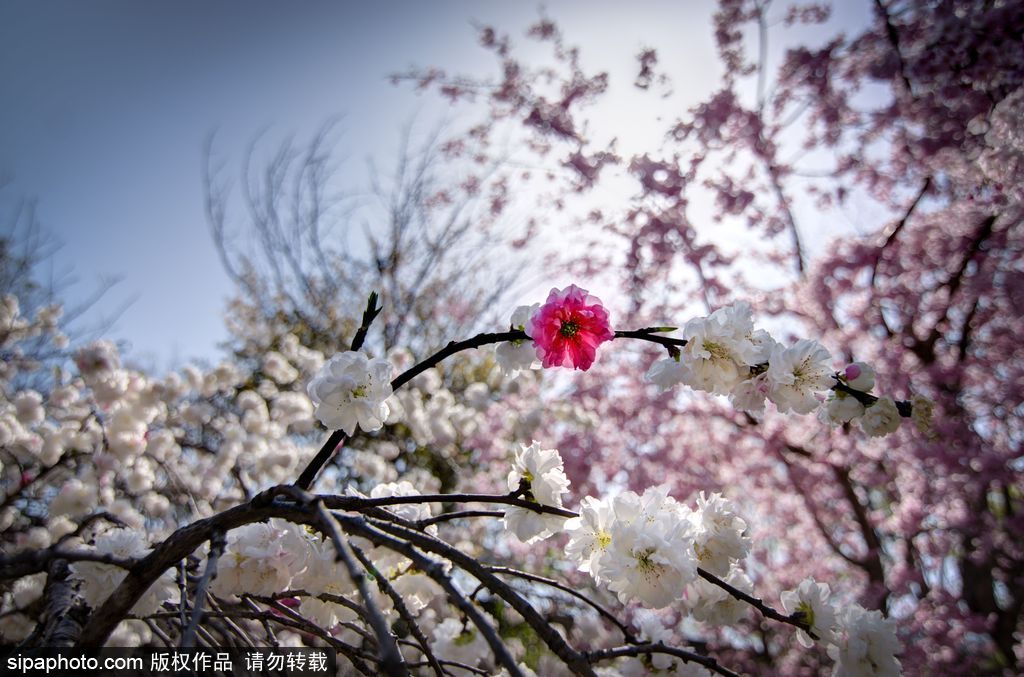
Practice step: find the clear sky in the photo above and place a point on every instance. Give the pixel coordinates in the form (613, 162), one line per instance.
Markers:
(106, 104)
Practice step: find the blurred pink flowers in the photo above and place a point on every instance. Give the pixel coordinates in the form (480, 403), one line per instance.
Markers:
(569, 327)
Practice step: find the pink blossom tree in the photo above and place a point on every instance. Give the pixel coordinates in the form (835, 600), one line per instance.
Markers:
(914, 122)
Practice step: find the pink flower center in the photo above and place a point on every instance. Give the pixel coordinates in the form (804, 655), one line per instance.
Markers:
(569, 329)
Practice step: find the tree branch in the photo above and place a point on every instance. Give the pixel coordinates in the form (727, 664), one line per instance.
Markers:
(217, 544)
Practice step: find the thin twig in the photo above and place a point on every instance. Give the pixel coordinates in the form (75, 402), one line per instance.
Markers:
(507, 571)
(434, 570)
(461, 514)
(35, 561)
(391, 658)
(217, 544)
(572, 658)
(361, 503)
(647, 649)
(795, 620)
(399, 603)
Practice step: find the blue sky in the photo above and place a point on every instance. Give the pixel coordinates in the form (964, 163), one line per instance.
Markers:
(106, 106)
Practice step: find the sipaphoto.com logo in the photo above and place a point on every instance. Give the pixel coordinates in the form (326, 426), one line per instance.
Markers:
(67, 662)
(170, 662)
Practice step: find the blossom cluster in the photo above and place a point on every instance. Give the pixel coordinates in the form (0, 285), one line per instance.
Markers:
(724, 354)
(649, 548)
(721, 354)
(646, 547)
(88, 443)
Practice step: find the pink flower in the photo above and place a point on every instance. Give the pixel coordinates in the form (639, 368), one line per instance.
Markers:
(567, 330)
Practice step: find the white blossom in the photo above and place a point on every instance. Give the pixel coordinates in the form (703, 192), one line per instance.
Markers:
(589, 534)
(98, 580)
(865, 645)
(29, 407)
(76, 498)
(277, 367)
(417, 590)
(130, 633)
(408, 511)
(478, 396)
(294, 410)
(841, 408)
(546, 482)
(711, 355)
(97, 358)
(515, 356)
(712, 604)
(811, 599)
(28, 589)
(325, 575)
(261, 558)
(881, 418)
(668, 373)
(796, 374)
(720, 350)
(351, 391)
(650, 557)
(750, 395)
(718, 534)
(652, 629)
(462, 642)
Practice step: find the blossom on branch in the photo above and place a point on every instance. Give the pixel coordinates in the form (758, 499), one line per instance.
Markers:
(718, 534)
(516, 356)
(462, 642)
(324, 575)
(590, 534)
(865, 644)
(540, 472)
(98, 580)
(811, 600)
(841, 408)
(668, 373)
(712, 604)
(859, 376)
(350, 391)
(797, 374)
(721, 347)
(650, 556)
(881, 418)
(569, 327)
(261, 558)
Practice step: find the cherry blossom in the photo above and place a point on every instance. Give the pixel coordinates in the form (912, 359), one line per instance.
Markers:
(568, 329)
(351, 391)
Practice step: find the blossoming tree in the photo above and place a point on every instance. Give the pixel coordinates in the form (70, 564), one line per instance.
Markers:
(914, 123)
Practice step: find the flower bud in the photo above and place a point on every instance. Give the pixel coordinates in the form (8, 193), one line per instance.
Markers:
(860, 376)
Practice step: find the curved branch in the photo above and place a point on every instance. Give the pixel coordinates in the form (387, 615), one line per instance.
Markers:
(647, 649)
(176, 547)
(36, 561)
